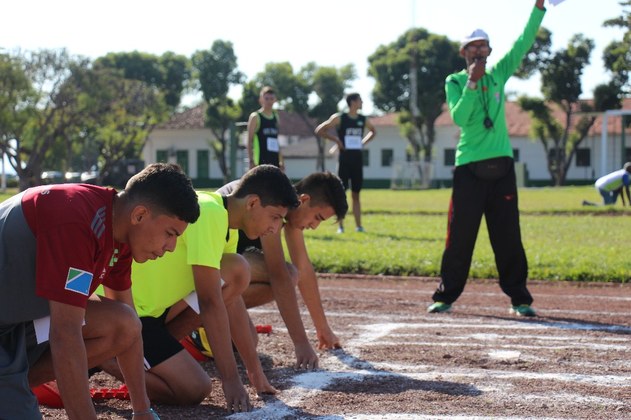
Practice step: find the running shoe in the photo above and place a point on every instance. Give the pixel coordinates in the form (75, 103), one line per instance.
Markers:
(438, 307)
(522, 310)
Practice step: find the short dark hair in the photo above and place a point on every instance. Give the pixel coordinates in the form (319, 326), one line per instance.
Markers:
(267, 89)
(352, 97)
(270, 184)
(325, 189)
(166, 189)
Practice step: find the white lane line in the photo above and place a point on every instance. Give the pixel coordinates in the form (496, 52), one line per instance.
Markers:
(454, 324)
(461, 344)
(442, 320)
(428, 292)
(574, 337)
(418, 416)
(369, 339)
(349, 367)
(310, 384)
(412, 371)
(271, 410)
(506, 355)
(344, 365)
(510, 337)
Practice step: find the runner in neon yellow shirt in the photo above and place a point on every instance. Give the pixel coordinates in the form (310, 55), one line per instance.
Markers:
(204, 261)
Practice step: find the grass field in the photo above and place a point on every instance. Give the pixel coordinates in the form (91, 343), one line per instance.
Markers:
(406, 230)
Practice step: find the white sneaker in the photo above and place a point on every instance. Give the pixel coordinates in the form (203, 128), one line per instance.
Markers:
(340, 230)
(359, 229)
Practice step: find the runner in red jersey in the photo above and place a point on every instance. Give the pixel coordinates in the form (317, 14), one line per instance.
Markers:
(57, 244)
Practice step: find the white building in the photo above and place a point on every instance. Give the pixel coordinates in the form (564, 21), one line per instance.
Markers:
(186, 141)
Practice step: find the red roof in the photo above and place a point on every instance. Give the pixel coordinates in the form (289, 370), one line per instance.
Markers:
(187, 119)
(292, 124)
(517, 121)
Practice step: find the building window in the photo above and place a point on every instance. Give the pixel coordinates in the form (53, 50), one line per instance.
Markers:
(366, 157)
(449, 157)
(386, 157)
(203, 164)
(162, 156)
(181, 158)
(583, 157)
(516, 155)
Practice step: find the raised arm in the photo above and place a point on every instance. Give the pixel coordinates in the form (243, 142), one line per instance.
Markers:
(511, 61)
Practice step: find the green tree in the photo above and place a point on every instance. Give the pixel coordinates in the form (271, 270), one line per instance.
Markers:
(169, 73)
(43, 110)
(215, 72)
(409, 78)
(176, 71)
(134, 110)
(17, 95)
(617, 55)
(55, 107)
(561, 87)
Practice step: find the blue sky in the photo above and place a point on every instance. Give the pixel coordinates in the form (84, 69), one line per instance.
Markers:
(332, 33)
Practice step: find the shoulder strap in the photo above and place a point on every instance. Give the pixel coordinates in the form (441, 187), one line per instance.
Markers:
(225, 206)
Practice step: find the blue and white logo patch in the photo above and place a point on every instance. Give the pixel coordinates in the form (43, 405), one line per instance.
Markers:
(79, 281)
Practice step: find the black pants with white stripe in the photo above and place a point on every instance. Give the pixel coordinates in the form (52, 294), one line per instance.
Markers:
(471, 198)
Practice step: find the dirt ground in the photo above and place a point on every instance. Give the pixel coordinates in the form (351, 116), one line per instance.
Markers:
(478, 361)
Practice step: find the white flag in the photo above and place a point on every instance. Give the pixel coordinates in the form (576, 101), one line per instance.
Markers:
(555, 2)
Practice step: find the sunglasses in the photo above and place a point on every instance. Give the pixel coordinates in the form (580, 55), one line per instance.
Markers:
(481, 48)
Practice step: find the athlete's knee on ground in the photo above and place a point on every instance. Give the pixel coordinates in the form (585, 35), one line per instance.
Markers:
(191, 389)
(194, 394)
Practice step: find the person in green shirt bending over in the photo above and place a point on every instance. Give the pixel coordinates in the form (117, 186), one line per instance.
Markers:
(484, 177)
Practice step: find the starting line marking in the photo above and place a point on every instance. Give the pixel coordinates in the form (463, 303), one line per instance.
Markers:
(346, 365)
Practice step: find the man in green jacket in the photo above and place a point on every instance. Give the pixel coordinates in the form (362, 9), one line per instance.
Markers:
(484, 177)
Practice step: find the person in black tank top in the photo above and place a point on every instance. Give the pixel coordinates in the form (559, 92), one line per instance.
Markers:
(352, 131)
(263, 146)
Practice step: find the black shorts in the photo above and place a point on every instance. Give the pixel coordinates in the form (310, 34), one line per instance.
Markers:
(158, 344)
(351, 168)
